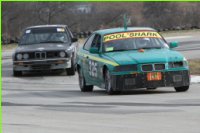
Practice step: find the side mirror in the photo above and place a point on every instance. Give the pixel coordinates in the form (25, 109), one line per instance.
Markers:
(74, 39)
(173, 44)
(94, 50)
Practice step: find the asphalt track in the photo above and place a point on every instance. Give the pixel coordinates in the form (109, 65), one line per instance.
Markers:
(52, 103)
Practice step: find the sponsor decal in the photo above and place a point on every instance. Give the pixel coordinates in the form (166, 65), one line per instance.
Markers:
(60, 30)
(109, 49)
(128, 35)
(28, 31)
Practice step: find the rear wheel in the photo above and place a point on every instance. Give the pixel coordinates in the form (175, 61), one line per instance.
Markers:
(82, 84)
(181, 89)
(108, 84)
(17, 73)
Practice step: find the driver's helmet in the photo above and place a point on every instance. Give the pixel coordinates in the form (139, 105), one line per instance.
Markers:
(144, 42)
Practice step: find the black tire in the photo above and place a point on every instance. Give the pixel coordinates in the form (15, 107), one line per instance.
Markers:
(82, 84)
(108, 84)
(71, 71)
(181, 89)
(151, 88)
(17, 73)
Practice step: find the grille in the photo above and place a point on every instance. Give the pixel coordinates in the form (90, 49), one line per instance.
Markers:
(53, 54)
(147, 67)
(40, 55)
(159, 66)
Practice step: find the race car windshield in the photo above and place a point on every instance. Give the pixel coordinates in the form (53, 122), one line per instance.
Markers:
(44, 35)
(133, 43)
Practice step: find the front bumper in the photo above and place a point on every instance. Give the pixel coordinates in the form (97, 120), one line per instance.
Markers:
(139, 80)
(48, 64)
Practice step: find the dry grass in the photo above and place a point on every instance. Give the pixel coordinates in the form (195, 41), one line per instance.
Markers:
(8, 46)
(180, 32)
(194, 66)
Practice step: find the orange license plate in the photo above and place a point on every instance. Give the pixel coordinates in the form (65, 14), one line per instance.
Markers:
(154, 76)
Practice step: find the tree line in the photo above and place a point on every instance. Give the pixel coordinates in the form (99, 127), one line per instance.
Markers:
(85, 17)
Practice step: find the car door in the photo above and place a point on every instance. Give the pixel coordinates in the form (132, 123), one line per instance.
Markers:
(91, 62)
(85, 58)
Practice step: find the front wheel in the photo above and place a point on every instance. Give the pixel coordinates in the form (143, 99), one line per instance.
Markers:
(82, 84)
(181, 89)
(108, 84)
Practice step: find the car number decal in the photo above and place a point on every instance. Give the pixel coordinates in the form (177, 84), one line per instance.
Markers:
(98, 59)
(92, 68)
(127, 35)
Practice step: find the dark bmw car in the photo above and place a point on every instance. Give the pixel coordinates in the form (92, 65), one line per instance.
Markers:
(45, 47)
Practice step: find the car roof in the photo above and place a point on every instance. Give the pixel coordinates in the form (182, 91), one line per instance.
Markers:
(46, 26)
(115, 30)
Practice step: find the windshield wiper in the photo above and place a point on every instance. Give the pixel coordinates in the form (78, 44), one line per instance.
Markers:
(52, 42)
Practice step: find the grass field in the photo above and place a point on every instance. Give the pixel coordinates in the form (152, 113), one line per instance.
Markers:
(8, 46)
(194, 66)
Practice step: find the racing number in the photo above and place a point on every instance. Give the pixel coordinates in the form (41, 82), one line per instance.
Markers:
(92, 68)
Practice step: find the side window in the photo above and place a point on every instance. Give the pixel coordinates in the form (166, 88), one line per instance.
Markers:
(88, 42)
(96, 42)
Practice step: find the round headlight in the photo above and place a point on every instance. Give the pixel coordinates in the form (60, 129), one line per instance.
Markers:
(19, 56)
(62, 54)
(25, 56)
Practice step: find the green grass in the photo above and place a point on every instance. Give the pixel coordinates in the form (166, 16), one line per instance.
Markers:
(194, 66)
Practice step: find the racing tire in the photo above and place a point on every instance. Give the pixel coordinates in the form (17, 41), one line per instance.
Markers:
(108, 84)
(82, 84)
(17, 73)
(181, 89)
(71, 71)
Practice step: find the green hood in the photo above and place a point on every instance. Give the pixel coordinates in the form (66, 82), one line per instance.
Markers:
(148, 56)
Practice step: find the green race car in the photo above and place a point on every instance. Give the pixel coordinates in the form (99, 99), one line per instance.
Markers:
(137, 57)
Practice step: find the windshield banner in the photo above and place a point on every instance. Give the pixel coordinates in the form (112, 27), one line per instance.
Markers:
(127, 35)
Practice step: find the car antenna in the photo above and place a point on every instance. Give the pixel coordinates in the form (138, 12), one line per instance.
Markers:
(125, 21)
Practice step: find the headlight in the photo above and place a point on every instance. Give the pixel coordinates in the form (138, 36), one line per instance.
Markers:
(19, 56)
(62, 54)
(25, 56)
(176, 64)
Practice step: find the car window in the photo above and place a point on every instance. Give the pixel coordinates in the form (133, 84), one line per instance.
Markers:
(44, 35)
(96, 42)
(89, 42)
(133, 41)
